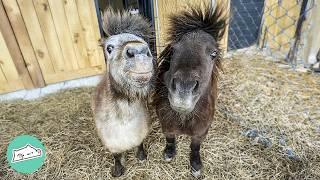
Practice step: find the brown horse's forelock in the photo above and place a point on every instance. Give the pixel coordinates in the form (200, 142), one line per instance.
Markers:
(208, 19)
(195, 19)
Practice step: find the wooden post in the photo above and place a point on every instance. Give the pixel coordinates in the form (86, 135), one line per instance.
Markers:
(224, 41)
(313, 36)
(14, 49)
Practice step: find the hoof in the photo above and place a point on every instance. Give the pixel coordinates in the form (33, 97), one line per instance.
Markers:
(195, 173)
(141, 155)
(196, 168)
(167, 158)
(168, 154)
(117, 171)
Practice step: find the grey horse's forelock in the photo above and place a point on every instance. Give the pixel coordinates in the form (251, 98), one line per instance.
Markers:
(116, 22)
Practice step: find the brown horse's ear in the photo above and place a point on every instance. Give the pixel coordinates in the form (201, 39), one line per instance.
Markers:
(165, 55)
(220, 66)
(218, 62)
(163, 61)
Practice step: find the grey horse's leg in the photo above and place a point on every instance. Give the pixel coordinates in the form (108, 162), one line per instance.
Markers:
(141, 154)
(117, 169)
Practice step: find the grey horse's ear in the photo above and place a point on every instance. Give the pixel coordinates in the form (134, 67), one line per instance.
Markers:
(108, 20)
(102, 41)
(116, 22)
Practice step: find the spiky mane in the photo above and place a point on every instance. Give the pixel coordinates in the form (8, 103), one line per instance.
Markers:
(118, 22)
(206, 18)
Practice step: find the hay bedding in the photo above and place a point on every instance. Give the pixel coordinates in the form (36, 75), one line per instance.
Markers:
(267, 126)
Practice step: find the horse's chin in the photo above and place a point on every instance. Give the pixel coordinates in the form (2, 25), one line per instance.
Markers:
(139, 84)
(181, 110)
(140, 80)
(140, 88)
(181, 106)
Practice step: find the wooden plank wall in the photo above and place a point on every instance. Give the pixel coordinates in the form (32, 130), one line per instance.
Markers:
(167, 7)
(57, 38)
(279, 24)
(13, 72)
(9, 77)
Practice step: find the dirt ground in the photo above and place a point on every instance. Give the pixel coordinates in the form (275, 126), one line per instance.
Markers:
(267, 126)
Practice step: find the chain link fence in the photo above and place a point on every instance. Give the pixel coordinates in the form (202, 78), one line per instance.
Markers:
(245, 23)
(275, 26)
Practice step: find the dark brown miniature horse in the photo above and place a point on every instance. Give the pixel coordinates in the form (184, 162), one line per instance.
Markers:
(187, 78)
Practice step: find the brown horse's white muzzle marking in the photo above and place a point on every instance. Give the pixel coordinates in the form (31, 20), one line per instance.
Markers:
(183, 94)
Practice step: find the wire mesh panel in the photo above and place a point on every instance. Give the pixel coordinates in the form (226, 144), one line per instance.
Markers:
(282, 28)
(245, 23)
(279, 25)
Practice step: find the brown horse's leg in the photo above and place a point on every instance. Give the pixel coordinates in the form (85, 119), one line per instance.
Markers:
(195, 159)
(118, 168)
(170, 150)
(141, 154)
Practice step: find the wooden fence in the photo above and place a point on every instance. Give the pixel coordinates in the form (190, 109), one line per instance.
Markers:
(9, 77)
(47, 41)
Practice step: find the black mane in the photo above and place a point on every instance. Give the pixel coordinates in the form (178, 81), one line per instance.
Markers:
(208, 19)
(118, 22)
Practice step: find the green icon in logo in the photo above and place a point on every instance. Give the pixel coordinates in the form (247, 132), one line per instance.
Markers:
(26, 154)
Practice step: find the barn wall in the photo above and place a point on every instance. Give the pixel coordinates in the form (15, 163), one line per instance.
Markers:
(13, 73)
(9, 77)
(58, 39)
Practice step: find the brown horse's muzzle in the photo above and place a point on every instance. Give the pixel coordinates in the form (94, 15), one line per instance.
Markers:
(183, 94)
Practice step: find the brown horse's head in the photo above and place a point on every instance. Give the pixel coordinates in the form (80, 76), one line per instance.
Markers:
(191, 60)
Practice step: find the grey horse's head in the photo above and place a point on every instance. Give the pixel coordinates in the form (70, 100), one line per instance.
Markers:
(129, 59)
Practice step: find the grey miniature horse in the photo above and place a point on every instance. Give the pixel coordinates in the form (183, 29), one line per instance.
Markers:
(119, 105)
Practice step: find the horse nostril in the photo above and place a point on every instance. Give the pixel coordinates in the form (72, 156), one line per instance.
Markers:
(196, 87)
(145, 51)
(140, 50)
(173, 84)
(130, 53)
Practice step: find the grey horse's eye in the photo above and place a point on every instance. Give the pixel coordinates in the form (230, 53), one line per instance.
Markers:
(214, 54)
(110, 48)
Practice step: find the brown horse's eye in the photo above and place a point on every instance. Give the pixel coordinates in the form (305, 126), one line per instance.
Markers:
(214, 54)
